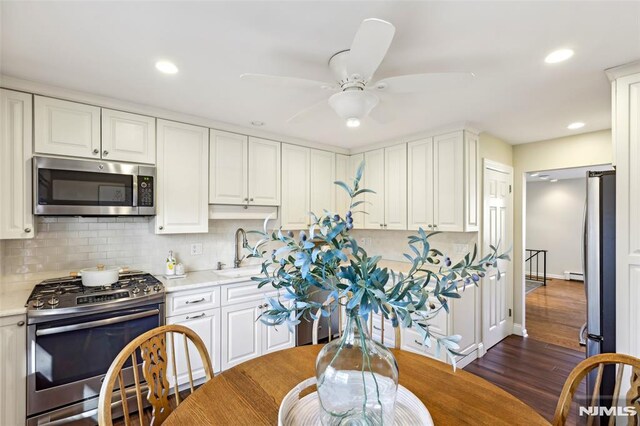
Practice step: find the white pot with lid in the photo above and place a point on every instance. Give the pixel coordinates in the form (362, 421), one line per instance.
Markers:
(99, 276)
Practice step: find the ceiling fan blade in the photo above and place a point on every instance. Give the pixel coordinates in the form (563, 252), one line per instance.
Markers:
(289, 82)
(369, 47)
(383, 113)
(420, 82)
(309, 112)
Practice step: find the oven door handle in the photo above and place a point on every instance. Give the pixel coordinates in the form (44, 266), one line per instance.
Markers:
(98, 323)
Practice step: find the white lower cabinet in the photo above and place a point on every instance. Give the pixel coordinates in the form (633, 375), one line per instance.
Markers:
(13, 370)
(241, 333)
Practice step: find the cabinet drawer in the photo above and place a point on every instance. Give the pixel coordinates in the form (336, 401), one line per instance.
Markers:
(183, 302)
(244, 292)
(412, 339)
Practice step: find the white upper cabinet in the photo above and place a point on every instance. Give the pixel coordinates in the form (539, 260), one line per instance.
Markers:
(322, 195)
(264, 172)
(128, 137)
(342, 174)
(228, 174)
(182, 173)
(358, 215)
(295, 187)
(443, 183)
(66, 128)
(420, 184)
(374, 178)
(16, 218)
(395, 187)
(448, 180)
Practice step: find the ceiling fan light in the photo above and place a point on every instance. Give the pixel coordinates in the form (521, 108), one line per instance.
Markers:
(353, 122)
(353, 103)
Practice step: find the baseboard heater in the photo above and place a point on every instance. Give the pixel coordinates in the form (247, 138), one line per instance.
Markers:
(573, 276)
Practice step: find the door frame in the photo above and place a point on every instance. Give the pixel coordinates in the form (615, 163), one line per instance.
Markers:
(503, 168)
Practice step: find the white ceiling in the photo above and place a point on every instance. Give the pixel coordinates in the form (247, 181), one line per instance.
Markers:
(109, 48)
(572, 173)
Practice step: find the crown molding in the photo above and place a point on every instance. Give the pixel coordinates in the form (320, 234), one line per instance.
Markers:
(623, 70)
(43, 89)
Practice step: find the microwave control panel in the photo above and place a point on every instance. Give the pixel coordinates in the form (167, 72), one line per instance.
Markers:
(145, 191)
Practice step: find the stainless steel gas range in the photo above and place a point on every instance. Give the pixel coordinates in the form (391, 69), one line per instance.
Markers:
(74, 333)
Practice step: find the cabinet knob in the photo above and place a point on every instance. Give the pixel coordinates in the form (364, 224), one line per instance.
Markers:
(429, 226)
(435, 226)
(27, 230)
(250, 199)
(161, 227)
(20, 323)
(105, 152)
(96, 151)
(381, 225)
(246, 199)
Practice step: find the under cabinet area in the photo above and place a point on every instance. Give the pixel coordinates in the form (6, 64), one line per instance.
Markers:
(13, 370)
(16, 217)
(183, 178)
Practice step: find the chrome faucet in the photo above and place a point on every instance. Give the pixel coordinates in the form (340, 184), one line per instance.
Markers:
(237, 260)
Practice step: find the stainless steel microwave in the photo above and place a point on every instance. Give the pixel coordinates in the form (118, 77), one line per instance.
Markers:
(92, 188)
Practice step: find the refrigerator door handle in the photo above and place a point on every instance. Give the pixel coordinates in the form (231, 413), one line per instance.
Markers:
(582, 340)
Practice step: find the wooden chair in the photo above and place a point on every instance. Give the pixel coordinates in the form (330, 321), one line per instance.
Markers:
(585, 367)
(152, 347)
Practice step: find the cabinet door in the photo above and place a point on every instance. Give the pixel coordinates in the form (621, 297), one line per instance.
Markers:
(464, 319)
(295, 187)
(182, 172)
(13, 370)
(420, 184)
(228, 168)
(322, 195)
(354, 163)
(66, 128)
(128, 137)
(448, 182)
(471, 181)
(395, 187)
(205, 324)
(16, 218)
(342, 174)
(374, 177)
(264, 172)
(277, 338)
(241, 333)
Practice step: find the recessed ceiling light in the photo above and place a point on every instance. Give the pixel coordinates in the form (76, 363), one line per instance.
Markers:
(353, 122)
(576, 125)
(534, 174)
(166, 67)
(553, 180)
(558, 56)
(257, 123)
(544, 177)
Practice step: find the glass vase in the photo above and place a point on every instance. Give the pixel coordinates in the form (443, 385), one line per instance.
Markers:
(357, 378)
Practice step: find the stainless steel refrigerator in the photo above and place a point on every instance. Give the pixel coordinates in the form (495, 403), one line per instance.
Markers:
(599, 333)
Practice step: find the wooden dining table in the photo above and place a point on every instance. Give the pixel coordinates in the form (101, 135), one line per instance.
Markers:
(250, 393)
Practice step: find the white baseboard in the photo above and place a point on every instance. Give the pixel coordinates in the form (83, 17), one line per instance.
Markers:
(481, 350)
(467, 359)
(519, 330)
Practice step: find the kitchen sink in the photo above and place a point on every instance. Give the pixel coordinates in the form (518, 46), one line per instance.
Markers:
(240, 272)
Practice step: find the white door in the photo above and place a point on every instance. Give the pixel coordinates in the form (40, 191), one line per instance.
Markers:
(395, 187)
(277, 338)
(374, 178)
(13, 370)
(448, 182)
(241, 333)
(264, 172)
(66, 128)
(342, 174)
(16, 218)
(497, 285)
(358, 215)
(206, 325)
(128, 137)
(228, 162)
(322, 195)
(420, 184)
(183, 178)
(295, 187)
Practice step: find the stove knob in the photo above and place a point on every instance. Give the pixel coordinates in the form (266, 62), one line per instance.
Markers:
(157, 287)
(135, 290)
(146, 289)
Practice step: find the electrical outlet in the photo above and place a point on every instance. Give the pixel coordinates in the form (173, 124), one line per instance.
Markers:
(365, 241)
(196, 249)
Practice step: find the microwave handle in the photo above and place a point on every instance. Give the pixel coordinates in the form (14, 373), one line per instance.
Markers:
(135, 190)
(98, 323)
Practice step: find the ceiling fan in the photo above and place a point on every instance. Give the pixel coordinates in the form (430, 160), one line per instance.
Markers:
(357, 96)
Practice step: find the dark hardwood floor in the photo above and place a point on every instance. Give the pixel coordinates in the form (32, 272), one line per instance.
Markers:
(535, 368)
